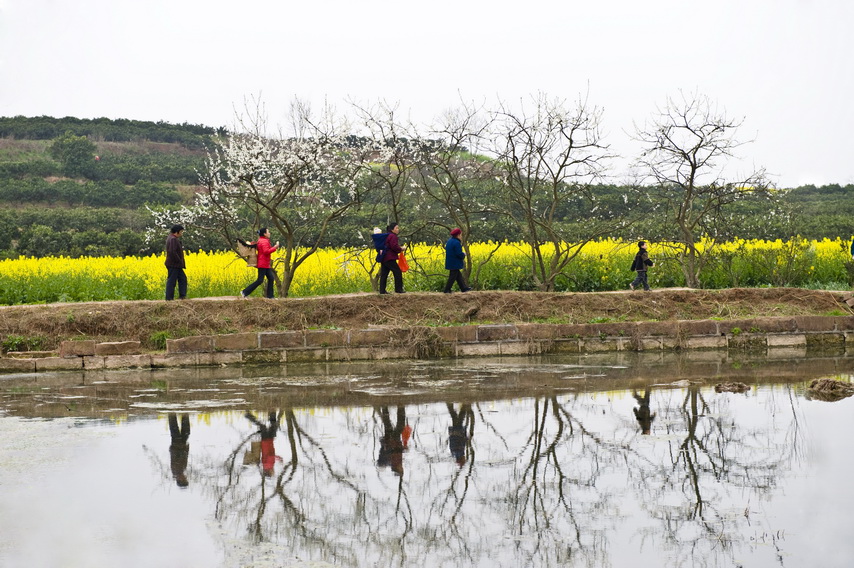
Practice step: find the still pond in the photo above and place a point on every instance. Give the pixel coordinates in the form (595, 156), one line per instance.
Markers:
(588, 461)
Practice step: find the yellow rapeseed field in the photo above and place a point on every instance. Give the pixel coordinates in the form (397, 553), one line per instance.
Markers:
(602, 265)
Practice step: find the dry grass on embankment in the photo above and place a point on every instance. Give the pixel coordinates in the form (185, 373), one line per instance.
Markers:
(148, 321)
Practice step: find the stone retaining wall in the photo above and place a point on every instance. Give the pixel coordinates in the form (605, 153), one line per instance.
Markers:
(792, 335)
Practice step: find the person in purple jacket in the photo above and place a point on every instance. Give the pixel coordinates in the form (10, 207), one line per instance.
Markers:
(389, 260)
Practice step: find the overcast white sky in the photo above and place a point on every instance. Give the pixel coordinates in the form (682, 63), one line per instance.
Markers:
(785, 66)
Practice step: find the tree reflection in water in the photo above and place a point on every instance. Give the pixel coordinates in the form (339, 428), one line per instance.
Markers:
(559, 480)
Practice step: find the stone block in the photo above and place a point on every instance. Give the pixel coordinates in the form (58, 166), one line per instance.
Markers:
(31, 354)
(536, 331)
(825, 341)
(175, 360)
(379, 336)
(350, 353)
(845, 323)
(520, 348)
(597, 345)
(380, 353)
(453, 334)
(565, 346)
(658, 328)
(325, 338)
(280, 339)
(815, 323)
(580, 330)
(697, 328)
(127, 361)
(650, 344)
(774, 325)
(478, 349)
(308, 355)
(77, 348)
(500, 332)
(787, 340)
(17, 365)
(615, 329)
(670, 343)
(235, 341)
(93, 362)
(118, 348)
(737, 327)
(747, 342)
(706, 342)
(58, 364)
(566, 331)
(222, 358)
(261, 357)
(195, 344)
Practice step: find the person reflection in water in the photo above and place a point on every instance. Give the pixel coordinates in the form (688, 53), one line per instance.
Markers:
(394, 441)
(458, 437)
(642, 414)
(268, 434)
(179, 449)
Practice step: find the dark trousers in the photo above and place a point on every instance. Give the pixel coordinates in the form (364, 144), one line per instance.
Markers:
(641, 279)
(176, 276)
(385, 268)
(456, 275)
(262, 273)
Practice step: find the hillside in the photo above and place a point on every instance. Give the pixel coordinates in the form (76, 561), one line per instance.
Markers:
(79, 187)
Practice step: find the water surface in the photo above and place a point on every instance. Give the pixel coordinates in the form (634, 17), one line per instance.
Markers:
(552, 461)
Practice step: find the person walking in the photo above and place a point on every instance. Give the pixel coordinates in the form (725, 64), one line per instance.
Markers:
(175, 264)
(640, 264)
(268, 440)
(455, 262)
(389, 260)
(179, 449)
(392, 444)
(265, 249)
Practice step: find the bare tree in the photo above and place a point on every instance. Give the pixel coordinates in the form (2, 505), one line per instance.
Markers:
(686, 147)
(548, 158)
(396, 195)
(451, 171)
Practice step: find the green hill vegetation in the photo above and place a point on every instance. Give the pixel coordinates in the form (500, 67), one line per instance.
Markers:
(80, 187)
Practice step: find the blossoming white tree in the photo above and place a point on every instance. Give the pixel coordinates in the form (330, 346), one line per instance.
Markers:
(297, 185)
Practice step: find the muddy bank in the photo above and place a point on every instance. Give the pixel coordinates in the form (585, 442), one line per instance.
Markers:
(138, 392)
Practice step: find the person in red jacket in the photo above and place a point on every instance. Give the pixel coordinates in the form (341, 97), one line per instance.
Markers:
(268, 436)
(265, 249)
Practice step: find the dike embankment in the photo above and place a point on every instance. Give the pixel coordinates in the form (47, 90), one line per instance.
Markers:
(788, 336)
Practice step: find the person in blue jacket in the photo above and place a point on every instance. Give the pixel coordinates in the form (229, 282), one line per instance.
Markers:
(455, 262)
(852, 249)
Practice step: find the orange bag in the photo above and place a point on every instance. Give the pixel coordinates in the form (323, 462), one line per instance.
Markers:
(401, 262)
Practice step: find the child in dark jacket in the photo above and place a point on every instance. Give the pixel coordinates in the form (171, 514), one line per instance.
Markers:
(640, 264)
